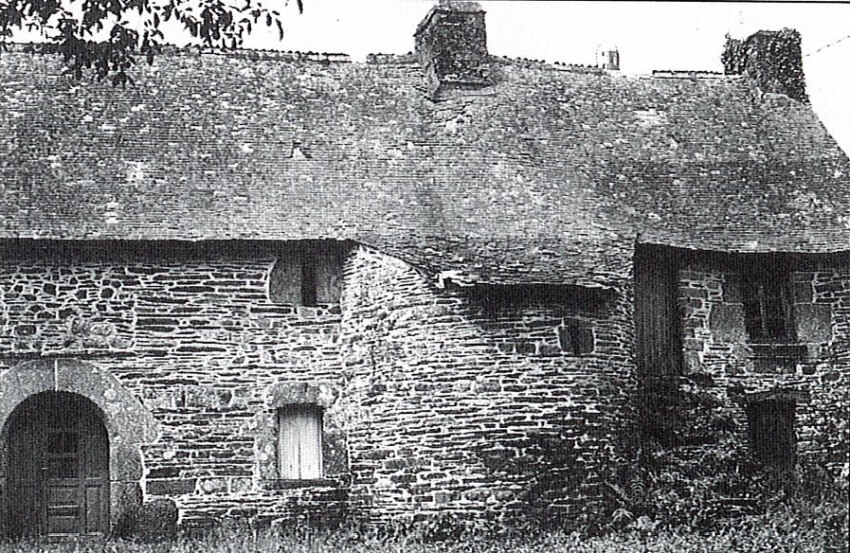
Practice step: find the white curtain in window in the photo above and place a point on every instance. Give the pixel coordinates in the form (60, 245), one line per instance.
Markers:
(300, 442)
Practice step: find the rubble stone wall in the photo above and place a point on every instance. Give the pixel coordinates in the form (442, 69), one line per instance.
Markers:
(198, 342)
(472, 412)
(814, 371)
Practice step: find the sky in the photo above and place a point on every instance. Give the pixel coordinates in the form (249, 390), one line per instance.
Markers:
(648, 35)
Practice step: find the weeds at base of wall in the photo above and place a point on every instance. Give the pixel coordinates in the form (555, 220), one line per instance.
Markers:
(817, 523)
(797, 528)
(685, 466)
(149, 522)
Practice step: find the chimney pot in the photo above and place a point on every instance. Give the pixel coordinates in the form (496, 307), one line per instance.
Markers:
(612, 60)
(607, 57)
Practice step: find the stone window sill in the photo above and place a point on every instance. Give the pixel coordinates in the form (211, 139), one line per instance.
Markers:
(778, 358)
(288, 484)
(780, 351)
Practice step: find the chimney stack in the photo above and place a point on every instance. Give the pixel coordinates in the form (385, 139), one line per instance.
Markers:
(451, 45)
(773, 60)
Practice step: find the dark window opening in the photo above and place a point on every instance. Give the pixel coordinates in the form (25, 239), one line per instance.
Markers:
(575, 336)
(307, 273)
(771, 427)
(515, 295)
(768, 314)
(308, 278)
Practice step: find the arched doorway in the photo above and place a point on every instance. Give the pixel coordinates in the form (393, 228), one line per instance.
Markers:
(58, 467)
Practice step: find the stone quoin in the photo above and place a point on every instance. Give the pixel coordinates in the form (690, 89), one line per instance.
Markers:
(285, 286)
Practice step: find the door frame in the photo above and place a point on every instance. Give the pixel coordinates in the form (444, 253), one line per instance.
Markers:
(43, 469)
(129, 425)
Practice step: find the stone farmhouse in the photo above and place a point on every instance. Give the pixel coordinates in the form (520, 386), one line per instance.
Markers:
(280, 285)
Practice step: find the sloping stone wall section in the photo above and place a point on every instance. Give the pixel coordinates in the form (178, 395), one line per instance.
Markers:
(449, 420)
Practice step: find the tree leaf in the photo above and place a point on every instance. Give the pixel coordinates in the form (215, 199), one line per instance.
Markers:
(222, 23)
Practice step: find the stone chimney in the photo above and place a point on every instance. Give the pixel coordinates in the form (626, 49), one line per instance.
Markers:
(772, 60)
(451, 45)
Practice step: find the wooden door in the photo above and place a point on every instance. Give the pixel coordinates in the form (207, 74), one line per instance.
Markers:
(58, 468)
(657, 324)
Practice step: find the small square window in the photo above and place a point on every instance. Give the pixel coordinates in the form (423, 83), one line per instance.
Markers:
(771, 427)
(300, 442)
(575, 337)
(768, 306)
(307, 274)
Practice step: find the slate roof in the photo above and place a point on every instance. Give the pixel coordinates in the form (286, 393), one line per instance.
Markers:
(548, 175)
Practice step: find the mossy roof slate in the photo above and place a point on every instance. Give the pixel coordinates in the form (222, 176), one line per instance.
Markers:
(550, 174)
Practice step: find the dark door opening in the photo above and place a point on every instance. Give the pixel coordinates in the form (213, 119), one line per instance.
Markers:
(658, 333)
(58, 467)
(771, 425)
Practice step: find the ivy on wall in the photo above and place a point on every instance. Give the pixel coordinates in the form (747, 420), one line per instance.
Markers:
(771, 59)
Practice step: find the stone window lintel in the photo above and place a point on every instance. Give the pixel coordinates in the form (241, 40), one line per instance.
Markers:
(321, 394)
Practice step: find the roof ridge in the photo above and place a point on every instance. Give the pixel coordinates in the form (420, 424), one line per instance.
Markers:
(688, 73)
(249, 53)
(556, 65)
(327, 58)
(392, 59)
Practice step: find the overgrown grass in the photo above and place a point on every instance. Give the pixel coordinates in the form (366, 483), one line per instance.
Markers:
(814, 520)
(799, 528)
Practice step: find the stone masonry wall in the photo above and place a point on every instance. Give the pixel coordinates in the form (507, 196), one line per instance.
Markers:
(200, 344)
(815, 371)
(471, 412)
(436, 401)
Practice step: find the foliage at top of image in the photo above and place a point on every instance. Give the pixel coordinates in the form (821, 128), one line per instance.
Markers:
(109, 36)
